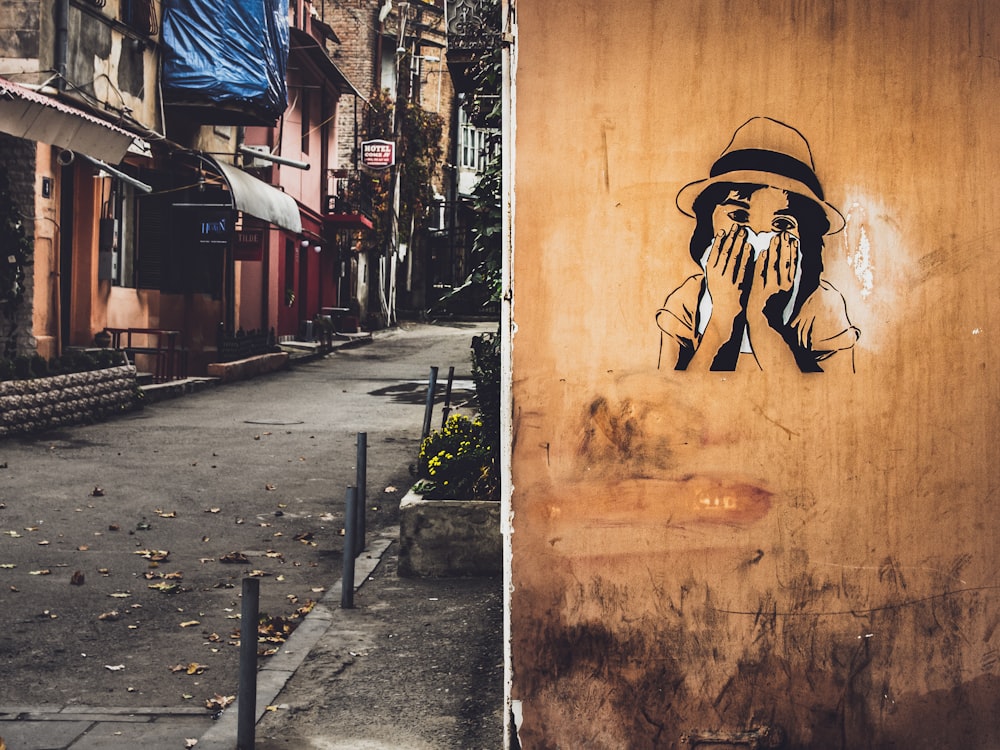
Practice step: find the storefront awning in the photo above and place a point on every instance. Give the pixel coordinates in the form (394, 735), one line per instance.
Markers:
(25, 113)
(257, 198)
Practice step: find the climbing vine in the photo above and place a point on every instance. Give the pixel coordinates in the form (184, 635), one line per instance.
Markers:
(418, 158)
(15, 256)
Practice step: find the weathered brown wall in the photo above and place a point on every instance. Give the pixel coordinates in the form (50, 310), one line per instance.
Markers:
(696, 550)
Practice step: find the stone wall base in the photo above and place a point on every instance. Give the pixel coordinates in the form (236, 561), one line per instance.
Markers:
(43, 403)
(442, 538)
(241, 369)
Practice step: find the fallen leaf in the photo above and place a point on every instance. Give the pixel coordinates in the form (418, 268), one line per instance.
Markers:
(114, 527)
(389, 489)
(115, 668)
(83, 548)
(275, 554)
(42, 572)
(196, 668)
(97, 492)
(166, 588)
(190, 623)
(8, 566)
(270, 708)
(120, 595)
(77, 578)
(234, 557)
(270, 487)
(166, 514)
(213, 510)
(258, 574)
(43, 543)
(104, 571)
(190, 742)
(110, 616)
(219, 702)
(13, 534)
(156, 555)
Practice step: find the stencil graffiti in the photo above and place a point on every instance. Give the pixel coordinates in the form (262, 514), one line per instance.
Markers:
(759, 298)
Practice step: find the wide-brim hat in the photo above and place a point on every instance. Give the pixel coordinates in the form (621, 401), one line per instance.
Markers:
(764, 151)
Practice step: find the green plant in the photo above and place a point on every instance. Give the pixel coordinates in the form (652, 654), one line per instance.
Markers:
(15, 256)
(457, 461)
(25, 367)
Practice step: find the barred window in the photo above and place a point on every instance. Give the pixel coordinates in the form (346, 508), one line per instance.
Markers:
(140, 16)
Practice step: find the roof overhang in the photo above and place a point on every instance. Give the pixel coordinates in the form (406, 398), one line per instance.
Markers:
(25, 113)
(306, 44)
(257, 198)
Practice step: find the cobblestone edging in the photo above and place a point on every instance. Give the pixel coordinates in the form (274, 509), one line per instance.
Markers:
(42, 403)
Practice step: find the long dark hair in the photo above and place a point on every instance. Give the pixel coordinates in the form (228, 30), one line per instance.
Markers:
(813, 226)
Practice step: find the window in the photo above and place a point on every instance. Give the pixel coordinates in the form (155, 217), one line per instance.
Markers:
(180, 250)
(140, 16)
(473, 144)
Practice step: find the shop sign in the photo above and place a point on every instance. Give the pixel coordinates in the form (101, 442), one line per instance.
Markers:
(378, 154)
(249, 245)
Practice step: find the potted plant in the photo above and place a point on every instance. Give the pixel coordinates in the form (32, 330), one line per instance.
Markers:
(450, 519)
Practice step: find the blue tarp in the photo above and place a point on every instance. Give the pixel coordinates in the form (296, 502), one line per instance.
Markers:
(227, 51)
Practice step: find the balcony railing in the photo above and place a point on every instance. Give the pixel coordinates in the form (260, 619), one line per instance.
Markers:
(349, 201)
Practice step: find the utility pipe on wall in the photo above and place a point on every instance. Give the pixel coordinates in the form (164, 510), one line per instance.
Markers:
(62, 41)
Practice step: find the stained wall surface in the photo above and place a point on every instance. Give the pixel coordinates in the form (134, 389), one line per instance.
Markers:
(812, 554)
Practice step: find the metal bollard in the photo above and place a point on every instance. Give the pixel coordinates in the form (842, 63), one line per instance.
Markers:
(447, 397)
(246, 719)
(429, 409)
(350, 544)
(362, 482)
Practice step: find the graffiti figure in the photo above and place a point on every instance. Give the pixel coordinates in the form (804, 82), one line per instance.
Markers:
(759, 297)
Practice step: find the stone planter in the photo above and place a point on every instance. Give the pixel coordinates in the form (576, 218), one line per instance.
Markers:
(43, 403)
(442, 538)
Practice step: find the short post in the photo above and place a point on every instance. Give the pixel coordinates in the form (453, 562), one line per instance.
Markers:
(447, 397)
(350, 545)
(246, 720)
(362, 482)
(429, 409)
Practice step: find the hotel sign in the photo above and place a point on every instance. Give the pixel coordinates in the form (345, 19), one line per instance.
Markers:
(378, 154)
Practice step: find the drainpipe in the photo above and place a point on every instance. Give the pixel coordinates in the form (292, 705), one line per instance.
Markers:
(62, 42)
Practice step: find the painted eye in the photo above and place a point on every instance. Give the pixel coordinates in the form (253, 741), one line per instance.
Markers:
(783, 224)
(740, 215)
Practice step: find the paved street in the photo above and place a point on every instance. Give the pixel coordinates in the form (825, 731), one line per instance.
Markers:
(123, 544)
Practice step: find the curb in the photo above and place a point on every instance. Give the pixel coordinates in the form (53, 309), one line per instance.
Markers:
(280, 668)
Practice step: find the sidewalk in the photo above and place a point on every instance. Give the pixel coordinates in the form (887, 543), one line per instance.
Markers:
(415, 665)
